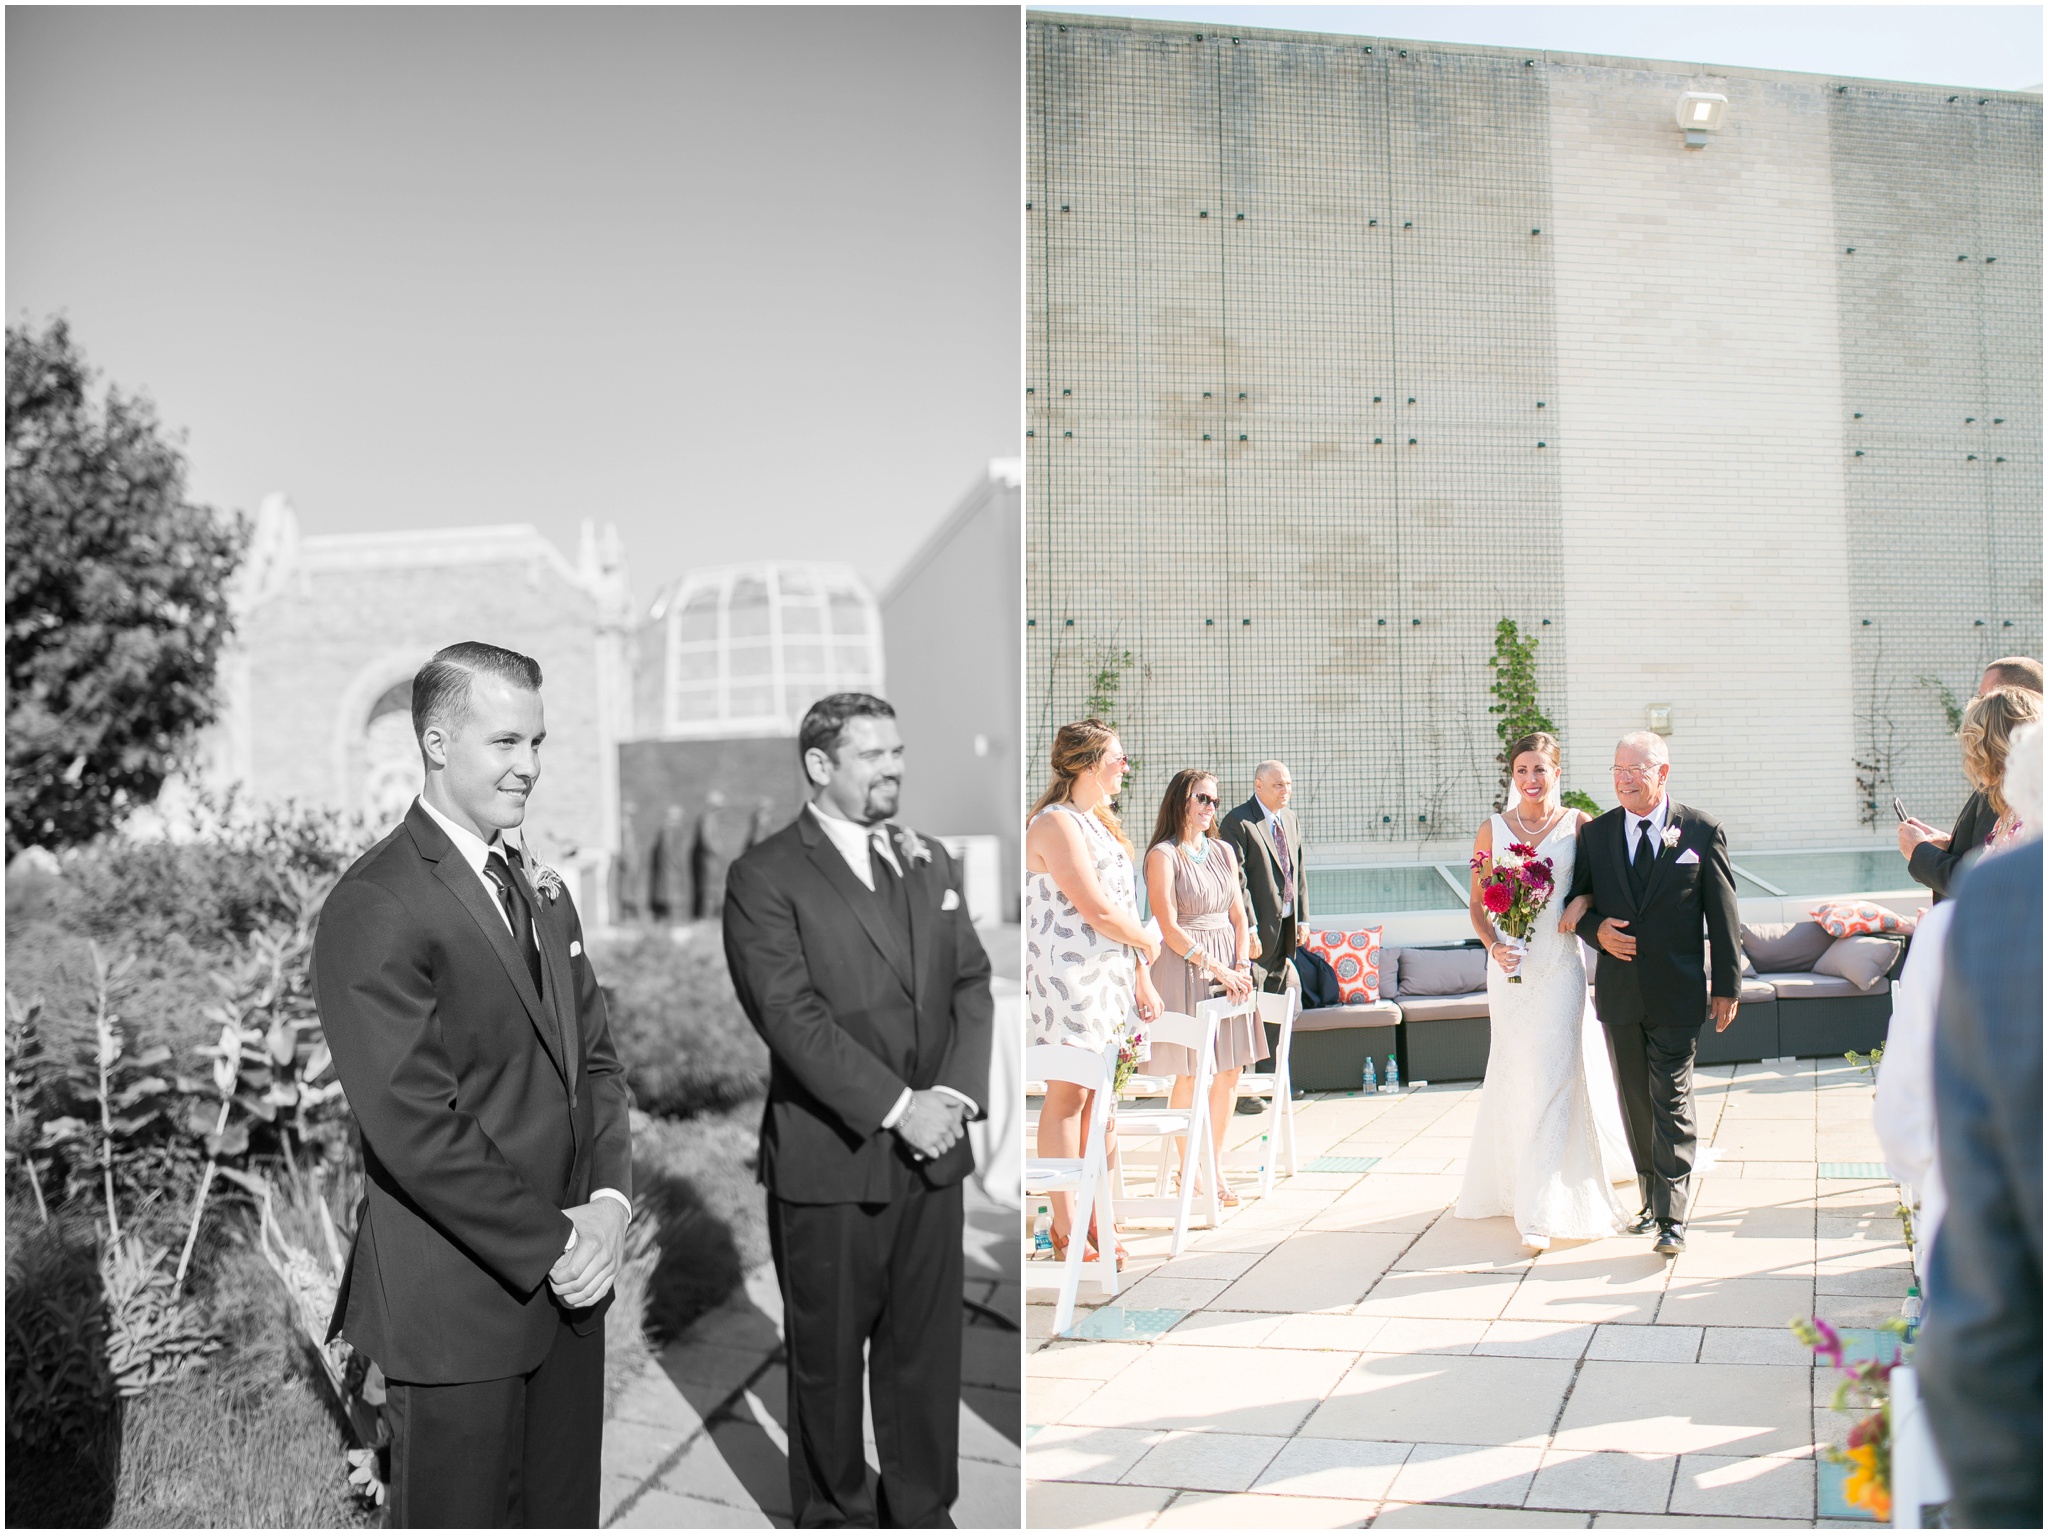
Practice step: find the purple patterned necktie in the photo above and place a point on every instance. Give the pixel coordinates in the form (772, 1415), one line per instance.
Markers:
(1286, 863)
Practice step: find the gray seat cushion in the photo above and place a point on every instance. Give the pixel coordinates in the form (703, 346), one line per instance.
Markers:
(1370, 1014)
(1390, 971)
(1442, 971)
(1862, 961)
(1756, 990)
(1438, 1009)
(1784, 947)
(1810, 987)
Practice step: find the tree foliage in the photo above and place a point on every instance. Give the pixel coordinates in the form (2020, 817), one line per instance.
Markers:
(1519, 714)
(117, 602)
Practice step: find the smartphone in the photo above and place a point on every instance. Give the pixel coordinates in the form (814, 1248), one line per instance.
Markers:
(1899, 809)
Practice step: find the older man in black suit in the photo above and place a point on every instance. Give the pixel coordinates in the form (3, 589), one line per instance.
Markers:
(469, 1032)
(852, 952)
(1658, 875)
(1980, 1351)
(1266, 836)
(1937, 858)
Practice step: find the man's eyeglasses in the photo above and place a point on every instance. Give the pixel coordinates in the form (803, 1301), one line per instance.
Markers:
(1626, 774)
(1208, 799)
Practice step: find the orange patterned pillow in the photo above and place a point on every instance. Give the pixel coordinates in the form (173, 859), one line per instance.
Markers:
(1853, 918)
(1355, 956)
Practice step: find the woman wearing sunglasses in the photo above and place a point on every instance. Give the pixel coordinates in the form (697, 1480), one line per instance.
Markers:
(1191, 882)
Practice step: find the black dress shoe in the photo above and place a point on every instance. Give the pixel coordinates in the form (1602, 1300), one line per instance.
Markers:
(1642, 1224)
(1670, 1239)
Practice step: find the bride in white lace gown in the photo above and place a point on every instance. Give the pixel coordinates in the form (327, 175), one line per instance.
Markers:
(1548, 1146)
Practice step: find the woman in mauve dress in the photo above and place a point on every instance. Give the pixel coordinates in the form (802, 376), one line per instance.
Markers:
(1192, 884)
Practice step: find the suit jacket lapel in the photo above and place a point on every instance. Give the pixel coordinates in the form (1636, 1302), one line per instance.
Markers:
(554, 963)
(1674, 820)
(462, 880)
(825, 857)
(917, 894)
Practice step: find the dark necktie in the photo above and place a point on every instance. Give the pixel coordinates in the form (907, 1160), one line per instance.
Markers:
(1286, 862)
(517, 911)
(887, 884)
(1646, 858)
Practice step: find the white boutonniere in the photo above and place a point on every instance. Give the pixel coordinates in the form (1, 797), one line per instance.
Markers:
(546, 881)
(914, 846)
(1671, 835)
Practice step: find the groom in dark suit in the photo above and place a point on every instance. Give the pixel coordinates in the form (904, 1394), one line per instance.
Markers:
(469, 1034)
(851, 950)
(1658, 876)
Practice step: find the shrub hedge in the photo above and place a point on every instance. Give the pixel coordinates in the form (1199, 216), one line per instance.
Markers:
(687, 1046)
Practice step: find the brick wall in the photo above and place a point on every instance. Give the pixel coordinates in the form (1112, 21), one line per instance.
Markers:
(1249, 251)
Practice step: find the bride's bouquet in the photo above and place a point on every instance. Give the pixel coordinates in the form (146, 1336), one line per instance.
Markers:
(1513, 889)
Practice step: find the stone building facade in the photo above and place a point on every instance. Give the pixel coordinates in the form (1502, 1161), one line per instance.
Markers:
(1342, 349)
(317, 687)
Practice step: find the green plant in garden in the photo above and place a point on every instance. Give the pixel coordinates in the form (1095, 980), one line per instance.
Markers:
(152, 1335)
(117, 599)
(677, 1023)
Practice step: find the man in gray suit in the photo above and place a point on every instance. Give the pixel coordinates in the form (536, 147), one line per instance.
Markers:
(1980, 1350)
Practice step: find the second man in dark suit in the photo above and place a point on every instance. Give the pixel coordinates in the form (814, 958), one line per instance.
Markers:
(1267, 836)
(851, 950)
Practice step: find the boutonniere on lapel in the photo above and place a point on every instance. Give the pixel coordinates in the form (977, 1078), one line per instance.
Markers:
(914, 847)
(545, 880)
(1671, 835)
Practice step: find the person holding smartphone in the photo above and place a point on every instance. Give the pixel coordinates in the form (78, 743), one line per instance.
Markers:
(1937, 858)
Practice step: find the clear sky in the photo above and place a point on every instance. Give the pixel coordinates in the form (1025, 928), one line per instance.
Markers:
(745, 281)
(1992, 47)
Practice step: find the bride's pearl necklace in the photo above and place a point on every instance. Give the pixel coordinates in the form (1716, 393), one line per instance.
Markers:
(1535, 838)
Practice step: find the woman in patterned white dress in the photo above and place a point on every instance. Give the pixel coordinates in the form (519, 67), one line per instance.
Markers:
(1085, 950)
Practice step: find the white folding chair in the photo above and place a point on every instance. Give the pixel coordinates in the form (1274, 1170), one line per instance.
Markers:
(1197, 1034)
(1278, 1085)
(1084, 1176)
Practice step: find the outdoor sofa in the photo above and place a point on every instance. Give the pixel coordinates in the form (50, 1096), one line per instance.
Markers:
(1432, 1016)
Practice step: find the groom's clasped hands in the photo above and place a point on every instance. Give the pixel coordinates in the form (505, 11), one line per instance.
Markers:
(583, 1273)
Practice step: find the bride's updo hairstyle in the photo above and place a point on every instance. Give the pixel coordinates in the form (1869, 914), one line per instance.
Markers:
(1077, 748)
(1540, 741)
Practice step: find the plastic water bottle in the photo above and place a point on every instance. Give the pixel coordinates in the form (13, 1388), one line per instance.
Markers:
(1041, 1232)
(1393, 1074)
(1369, 1083)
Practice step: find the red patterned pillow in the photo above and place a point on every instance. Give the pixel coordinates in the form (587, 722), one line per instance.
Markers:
(1853, 918)
(1355, 956)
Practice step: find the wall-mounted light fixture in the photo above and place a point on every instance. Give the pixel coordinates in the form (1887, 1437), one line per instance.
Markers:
(1660, 718)
(1700, 113)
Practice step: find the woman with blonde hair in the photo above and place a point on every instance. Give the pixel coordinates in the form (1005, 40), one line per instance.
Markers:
(1987, 735)
(1081, 989)
(1191, 880)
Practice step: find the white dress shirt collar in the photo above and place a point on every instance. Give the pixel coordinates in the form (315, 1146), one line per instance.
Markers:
(1657, 820)
(853, 842)
(474, 851)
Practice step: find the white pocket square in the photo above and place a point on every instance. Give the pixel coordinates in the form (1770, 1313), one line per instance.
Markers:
(574, 949)
(951, 902)
(1689, 856)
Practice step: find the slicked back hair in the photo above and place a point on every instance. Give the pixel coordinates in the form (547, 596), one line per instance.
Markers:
(826, 720)
(441, 689)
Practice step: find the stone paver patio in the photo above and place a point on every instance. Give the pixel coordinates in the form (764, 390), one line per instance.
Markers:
(700, 1440)
(1345, 1353)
